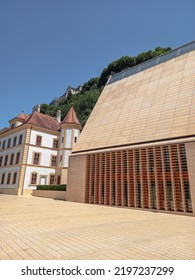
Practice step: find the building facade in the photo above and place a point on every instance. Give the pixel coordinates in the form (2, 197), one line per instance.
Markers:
(35, 150)
(137, 148)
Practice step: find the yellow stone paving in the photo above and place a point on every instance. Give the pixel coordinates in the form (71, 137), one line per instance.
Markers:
(40, 228)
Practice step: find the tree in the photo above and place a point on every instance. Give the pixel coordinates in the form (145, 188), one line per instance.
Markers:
(127, 62)
(84, 101)
(91, 84)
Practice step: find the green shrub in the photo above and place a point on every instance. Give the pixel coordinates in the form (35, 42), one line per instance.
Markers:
(51, 187)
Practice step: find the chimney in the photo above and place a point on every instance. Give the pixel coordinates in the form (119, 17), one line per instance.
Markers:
(58, 116)
(36, 108)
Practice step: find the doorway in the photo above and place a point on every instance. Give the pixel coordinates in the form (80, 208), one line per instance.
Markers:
(43, 180)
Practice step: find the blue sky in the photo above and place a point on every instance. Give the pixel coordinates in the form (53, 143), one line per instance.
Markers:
(47, 45)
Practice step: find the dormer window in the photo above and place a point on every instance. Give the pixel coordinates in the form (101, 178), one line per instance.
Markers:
(13, 125)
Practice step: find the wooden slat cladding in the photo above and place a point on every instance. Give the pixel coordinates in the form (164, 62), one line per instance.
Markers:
(148, 178)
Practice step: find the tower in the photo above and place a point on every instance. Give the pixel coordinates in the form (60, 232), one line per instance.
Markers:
(70, 130)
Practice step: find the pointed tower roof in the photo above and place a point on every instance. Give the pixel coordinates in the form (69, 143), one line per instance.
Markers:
(71, 117)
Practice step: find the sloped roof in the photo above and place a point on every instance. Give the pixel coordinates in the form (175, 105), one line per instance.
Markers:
(43, 120)
(71, 117)
(22, 116)
(154, 104)
(152, 62)
(4, 130)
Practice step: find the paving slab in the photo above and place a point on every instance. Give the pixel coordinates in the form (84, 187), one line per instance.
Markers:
(47, 229)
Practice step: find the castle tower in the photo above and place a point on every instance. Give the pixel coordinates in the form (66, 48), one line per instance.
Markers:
(70, 130)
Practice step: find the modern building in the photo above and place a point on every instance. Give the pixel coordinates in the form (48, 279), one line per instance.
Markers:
(137, 148)
(35, 150)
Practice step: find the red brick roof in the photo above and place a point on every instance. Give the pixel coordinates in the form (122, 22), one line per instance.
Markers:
(43, 120)
(4, 130)
(22, 116)
(71, 117)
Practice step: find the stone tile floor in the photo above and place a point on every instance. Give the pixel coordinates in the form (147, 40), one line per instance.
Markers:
(40, 228)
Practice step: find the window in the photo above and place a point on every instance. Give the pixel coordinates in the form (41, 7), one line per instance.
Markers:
(20, 139)
(55, 143)
(33, 179)
(3, 145)
(1, 160)
(75, 139)
(60, 158)
(13, 125)
(8, 178)
(17, 158)
(62, 139)
(167, 159)
(53, 160)
(38, 140)
(187, 196)
(9, 143)
(14, 178)
(11, 159)
(6, 159)
(2, 178)
(183, 158)
(52, 179)
(170, 195)
(151, 159)
(0, 145)
(137, 167)
(15, 140)
(36, 158)
(153, 195)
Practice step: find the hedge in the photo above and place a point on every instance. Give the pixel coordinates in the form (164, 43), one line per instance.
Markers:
(52, 187)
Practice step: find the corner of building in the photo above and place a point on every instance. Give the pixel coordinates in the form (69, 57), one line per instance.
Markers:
(76, 178)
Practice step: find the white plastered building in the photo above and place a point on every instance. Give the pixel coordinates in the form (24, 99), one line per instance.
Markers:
(35, 150)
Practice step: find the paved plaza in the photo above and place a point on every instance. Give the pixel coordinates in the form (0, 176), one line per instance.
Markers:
(40, 228)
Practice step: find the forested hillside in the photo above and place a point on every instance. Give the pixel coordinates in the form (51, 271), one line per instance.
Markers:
(85, 100)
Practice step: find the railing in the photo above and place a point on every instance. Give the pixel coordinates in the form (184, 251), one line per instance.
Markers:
(152, 62)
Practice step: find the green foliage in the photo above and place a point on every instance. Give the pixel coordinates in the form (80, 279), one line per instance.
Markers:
(48, 109)
(116, 66)
(83, 104)
(51, 187)
(84, 101)
(91, 84)
(126, 62)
